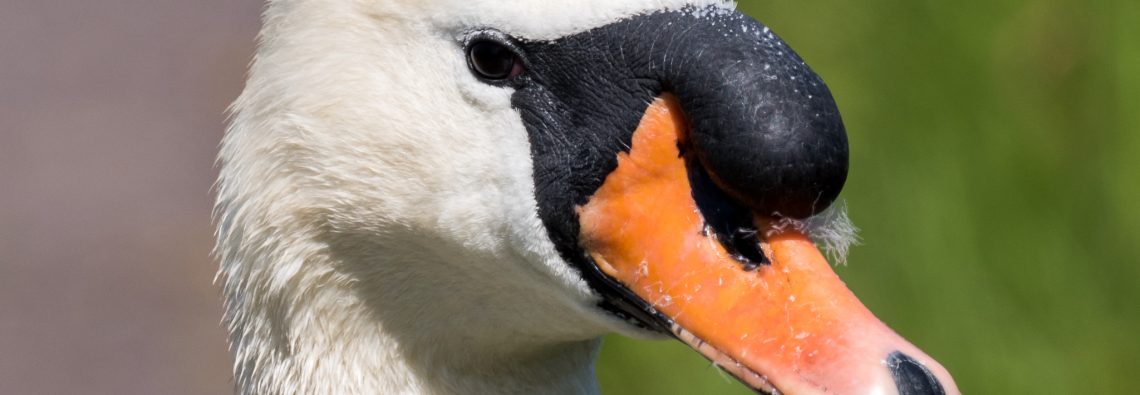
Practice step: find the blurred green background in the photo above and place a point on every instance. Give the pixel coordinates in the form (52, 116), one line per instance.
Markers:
(995, 175)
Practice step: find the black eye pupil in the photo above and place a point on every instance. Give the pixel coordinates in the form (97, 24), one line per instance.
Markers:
(492, 60)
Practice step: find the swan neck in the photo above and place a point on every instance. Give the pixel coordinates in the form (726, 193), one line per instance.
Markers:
(334, 339)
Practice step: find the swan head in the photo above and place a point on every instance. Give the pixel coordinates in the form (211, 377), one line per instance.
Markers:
(412, 191)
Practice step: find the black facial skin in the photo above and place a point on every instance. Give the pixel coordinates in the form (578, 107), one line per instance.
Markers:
(765, 131)
(764, 128)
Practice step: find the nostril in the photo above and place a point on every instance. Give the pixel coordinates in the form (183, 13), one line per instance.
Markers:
(730, 222)
(911, 377)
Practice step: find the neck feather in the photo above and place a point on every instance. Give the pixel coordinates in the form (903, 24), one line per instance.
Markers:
(324, 320)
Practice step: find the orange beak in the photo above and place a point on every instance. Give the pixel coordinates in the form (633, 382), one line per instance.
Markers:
(787, 326)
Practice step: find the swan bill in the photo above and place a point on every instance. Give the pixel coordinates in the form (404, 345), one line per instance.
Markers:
(782, 322)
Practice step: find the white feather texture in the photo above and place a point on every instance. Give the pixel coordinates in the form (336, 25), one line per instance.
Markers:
(378, 229)
(831, 230)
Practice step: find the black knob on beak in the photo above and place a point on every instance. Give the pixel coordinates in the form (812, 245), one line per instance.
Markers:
(764, 125)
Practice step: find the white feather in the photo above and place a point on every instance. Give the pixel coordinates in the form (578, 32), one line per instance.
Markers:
(377, 223)
(831, 230)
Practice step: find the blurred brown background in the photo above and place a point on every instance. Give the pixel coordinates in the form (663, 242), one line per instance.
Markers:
(110, 114)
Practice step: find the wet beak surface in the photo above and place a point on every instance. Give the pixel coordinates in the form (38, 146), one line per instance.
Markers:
(787, 326)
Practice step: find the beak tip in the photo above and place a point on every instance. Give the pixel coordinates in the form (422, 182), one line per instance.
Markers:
(912, 377)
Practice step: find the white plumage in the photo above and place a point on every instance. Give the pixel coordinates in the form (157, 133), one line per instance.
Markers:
(375, 200)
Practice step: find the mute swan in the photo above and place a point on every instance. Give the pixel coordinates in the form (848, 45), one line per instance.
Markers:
(461, 197)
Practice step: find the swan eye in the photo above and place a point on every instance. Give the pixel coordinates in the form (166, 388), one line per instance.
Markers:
(493, 60)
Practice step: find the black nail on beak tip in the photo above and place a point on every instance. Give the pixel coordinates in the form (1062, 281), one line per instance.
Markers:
(911, 377)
